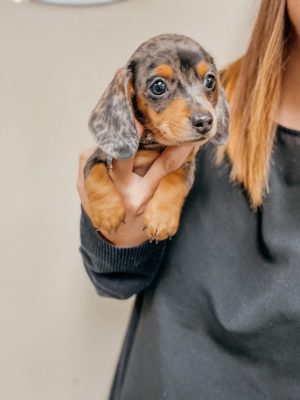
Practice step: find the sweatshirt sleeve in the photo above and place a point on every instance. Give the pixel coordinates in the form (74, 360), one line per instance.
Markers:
(114, 271)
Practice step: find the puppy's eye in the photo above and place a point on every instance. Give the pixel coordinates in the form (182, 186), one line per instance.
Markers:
(158, 87)
(210, 82)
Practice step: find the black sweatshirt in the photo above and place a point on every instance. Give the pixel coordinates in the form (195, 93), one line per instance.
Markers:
(217, 315)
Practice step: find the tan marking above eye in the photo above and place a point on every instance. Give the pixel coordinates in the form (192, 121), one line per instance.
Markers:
(165, 70)
(202, 69)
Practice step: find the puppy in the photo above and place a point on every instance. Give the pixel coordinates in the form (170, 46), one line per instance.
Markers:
(171, 85)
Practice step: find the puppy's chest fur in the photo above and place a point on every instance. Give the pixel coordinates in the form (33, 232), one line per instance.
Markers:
(143, 161)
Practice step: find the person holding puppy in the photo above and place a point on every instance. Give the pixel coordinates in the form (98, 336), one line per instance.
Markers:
(217, 312)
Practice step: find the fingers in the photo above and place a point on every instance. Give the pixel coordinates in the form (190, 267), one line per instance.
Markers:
(170, 159)
(196, 149)
(84, 156)
(122, 169)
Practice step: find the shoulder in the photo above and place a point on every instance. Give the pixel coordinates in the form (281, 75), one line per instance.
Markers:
(207, 166)
(212, 186)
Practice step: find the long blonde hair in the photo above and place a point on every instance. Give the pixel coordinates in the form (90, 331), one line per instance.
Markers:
(253, 86)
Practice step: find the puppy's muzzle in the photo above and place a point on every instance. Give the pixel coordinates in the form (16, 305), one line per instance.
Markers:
(202, 122)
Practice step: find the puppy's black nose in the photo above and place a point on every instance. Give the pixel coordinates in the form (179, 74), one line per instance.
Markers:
(202, 122)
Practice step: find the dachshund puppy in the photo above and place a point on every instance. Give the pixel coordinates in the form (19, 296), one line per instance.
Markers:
(171, 85)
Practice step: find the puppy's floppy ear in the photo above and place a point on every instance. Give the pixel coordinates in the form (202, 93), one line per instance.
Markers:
(111, 122)
(222, 111)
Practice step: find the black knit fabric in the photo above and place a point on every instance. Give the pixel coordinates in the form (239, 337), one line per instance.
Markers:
(217, 315)
(110, 268)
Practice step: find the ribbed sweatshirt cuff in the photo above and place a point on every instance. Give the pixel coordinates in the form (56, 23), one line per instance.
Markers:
(107, 257)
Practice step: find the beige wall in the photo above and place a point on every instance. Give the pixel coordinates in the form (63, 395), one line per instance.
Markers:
(59, 340)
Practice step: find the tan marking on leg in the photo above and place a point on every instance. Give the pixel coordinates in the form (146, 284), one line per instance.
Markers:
(162, 214)
(107, 209)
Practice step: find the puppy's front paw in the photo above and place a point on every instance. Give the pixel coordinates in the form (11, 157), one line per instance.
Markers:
(161, 220)
(107, 214)
(107, 209)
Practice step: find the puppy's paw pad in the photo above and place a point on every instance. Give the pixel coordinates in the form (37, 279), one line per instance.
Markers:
(160, 223)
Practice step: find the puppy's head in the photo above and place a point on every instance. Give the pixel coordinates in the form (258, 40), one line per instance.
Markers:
(171, 85)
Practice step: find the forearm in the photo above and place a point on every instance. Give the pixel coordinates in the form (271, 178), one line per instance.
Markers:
(117, 271)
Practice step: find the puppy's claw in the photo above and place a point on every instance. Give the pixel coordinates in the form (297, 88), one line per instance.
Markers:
(144, 227)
